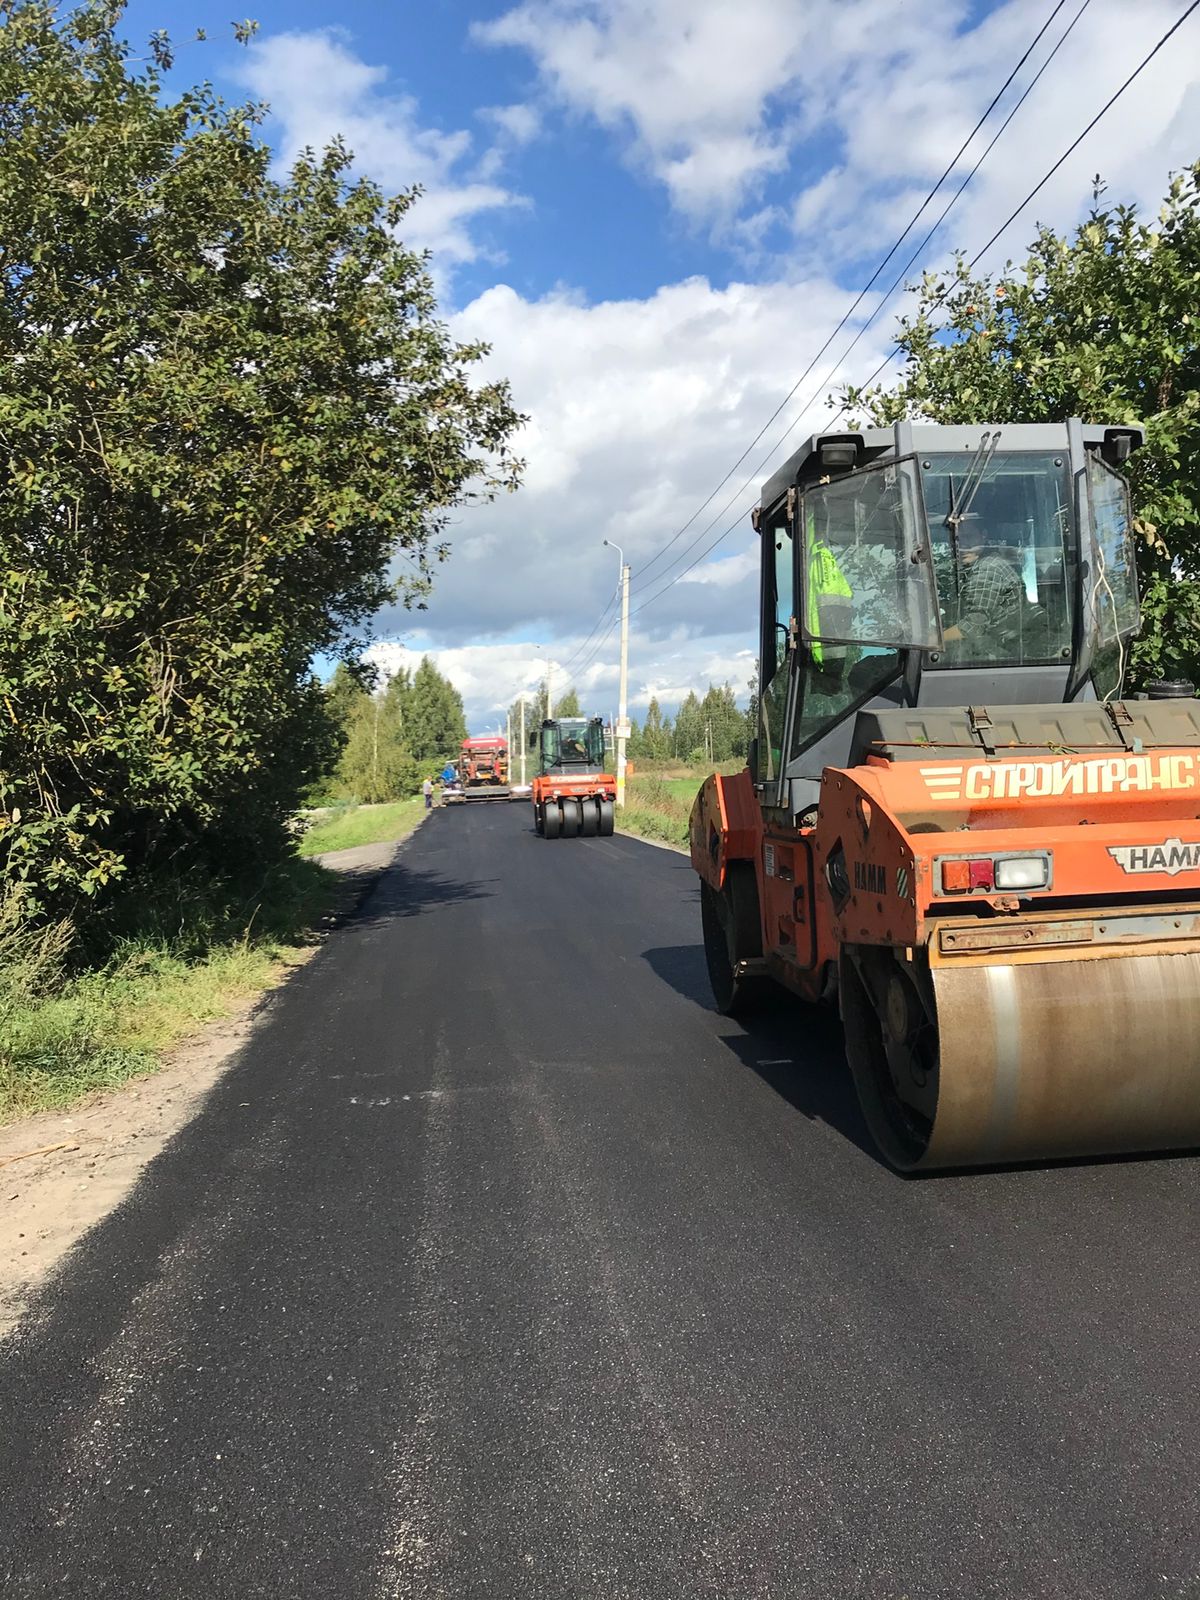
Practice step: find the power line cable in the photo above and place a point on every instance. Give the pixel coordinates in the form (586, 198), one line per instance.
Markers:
(912, 222)
(751, 482)
(940, 299)
(1042, 182)
(566, 667)
(599, 645)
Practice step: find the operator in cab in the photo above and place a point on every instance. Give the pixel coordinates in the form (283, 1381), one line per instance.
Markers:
(991, 596)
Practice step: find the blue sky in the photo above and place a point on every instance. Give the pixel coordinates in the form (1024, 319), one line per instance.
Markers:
(656, 211)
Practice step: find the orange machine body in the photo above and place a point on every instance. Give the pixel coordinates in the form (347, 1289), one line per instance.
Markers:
(566, 786)
(905, 854)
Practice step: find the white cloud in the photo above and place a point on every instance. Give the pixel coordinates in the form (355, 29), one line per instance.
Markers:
(676, 76)
(636, 408)
(726, 570)
(863, 102)
(318, 89)
(896, 130)
(844, 115)
(519, 123)
(513, 127)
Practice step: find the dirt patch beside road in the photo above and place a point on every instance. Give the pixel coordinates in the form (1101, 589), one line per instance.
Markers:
(93, 1156)
(61, 1172)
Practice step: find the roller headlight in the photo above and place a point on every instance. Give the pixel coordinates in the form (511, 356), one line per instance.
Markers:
(1023, 872)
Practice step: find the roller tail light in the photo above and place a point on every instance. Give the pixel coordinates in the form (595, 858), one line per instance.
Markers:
(955, 875)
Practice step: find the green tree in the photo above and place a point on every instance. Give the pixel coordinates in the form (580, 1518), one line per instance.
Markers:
(398, 698)
(655, 741)
(689, 728)
(568, 705)
(724, 724)
(1104, 326)
(376, 763)
(226, 403)
(434, 723)
(343, 694)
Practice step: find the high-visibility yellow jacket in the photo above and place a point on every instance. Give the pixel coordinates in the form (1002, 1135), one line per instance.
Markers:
(825, 580)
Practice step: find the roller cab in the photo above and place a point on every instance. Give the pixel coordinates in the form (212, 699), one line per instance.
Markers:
(952, 821)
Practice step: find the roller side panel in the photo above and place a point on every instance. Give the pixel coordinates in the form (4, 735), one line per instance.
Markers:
(725, 825)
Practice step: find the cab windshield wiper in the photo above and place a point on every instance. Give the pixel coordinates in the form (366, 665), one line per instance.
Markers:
(961, 503)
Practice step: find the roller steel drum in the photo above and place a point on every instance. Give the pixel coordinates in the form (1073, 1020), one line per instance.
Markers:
(1030, 1060)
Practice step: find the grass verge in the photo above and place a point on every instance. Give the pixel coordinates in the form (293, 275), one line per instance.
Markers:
(66, 1030)
(658, 808)
(350, 826)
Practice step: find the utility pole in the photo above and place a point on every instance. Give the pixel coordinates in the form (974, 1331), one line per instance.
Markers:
(549, 696)
(522, 738)
(622, 729)
(623, 708)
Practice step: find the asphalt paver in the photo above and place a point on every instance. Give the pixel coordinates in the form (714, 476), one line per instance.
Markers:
(499, 1265)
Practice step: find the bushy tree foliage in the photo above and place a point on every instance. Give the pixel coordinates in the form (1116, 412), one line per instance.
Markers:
(374, 763)
(653, 742)
(226, 404)
(429, 710)
(1103, 326)
(711, 729)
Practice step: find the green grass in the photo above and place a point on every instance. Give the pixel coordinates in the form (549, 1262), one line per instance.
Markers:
(357, 825)
(684, 790)
(658, 808)
(68, 1029)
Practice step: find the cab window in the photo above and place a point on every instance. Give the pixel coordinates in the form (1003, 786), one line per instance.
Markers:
(1002, 552)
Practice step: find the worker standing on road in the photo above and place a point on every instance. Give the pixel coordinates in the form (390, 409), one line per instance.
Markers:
(427, 791)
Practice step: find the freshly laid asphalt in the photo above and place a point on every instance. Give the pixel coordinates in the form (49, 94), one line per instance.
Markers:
(498, 1265)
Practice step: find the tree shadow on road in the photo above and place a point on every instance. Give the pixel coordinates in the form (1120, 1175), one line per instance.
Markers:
(796, 1049)
(404, 890)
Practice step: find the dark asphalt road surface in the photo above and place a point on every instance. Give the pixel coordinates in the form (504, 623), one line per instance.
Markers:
(500, 1266)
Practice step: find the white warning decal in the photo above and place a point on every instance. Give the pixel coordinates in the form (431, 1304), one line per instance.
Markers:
(1013, 780)
(1171, 857)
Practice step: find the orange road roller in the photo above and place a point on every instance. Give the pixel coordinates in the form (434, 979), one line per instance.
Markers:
(573, 796)
(951, 823)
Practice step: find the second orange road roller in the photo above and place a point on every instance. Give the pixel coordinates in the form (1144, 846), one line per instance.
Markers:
(573, 796)
(953, 825)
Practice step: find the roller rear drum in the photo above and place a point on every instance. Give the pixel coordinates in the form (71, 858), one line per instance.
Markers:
(967, 1065)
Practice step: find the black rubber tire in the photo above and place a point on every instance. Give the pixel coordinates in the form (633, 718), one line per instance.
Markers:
(570, 819)
(551, 819)
(539, 823)
(720, 915)
(902, 1136)
(607, 819)
(589, 825)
